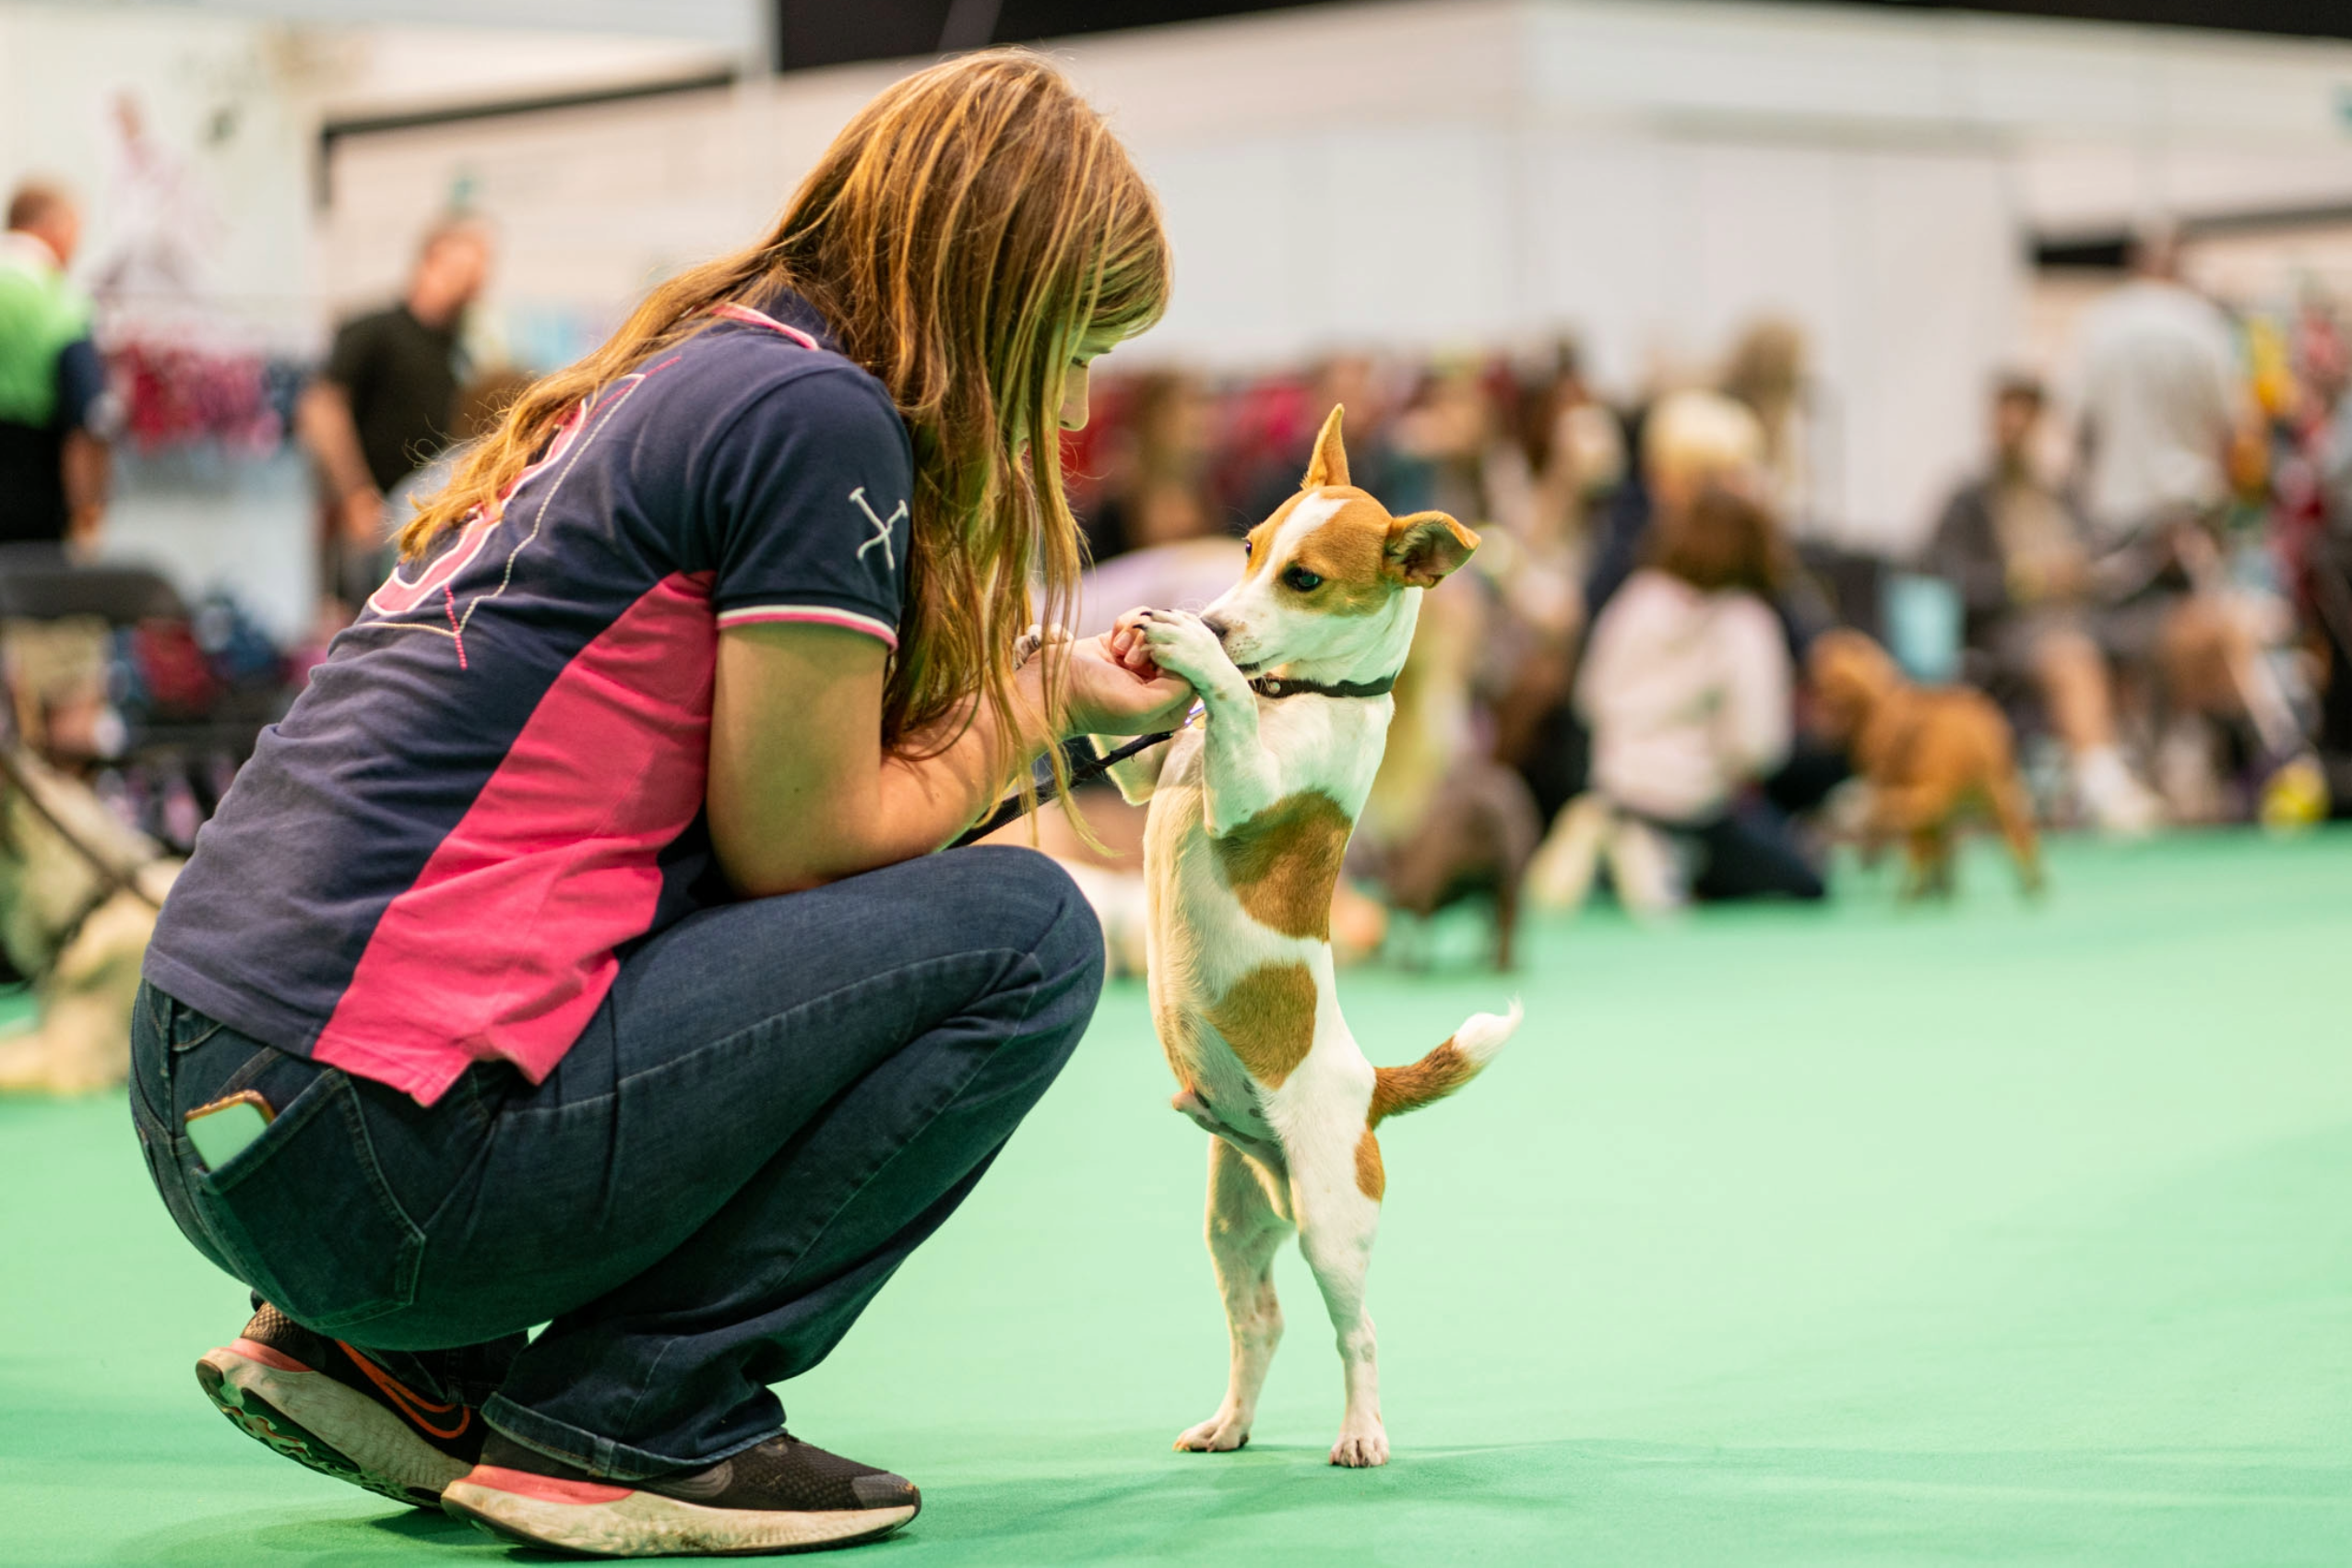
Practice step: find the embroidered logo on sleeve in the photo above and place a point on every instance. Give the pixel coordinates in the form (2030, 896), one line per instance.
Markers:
(882, 526)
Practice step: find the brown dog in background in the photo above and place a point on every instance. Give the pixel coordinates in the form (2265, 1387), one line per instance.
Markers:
(1930, 753)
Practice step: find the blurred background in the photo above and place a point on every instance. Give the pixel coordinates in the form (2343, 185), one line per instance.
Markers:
(2021, 331)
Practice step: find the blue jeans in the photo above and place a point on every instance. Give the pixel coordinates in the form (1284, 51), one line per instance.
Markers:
(778, 1103)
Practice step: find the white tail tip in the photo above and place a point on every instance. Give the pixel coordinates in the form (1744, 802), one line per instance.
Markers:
(1483, 1035)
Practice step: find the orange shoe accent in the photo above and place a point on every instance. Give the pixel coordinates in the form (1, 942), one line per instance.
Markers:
(547, 1489)
(408, 1404)
(254, 1350)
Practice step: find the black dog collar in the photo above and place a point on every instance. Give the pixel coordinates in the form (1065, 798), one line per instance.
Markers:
(1277, 687)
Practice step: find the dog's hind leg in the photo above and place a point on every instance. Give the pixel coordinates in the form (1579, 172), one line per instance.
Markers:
(2015, 813)
(1335, 1187)
(1245, 1227)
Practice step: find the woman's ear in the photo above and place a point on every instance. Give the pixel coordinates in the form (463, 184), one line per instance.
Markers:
(1424, 548)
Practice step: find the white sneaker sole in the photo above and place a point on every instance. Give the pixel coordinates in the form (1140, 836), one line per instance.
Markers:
(614, 1521)
(314, 1420)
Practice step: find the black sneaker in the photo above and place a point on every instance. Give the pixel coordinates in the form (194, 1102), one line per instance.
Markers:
(784, 1495)
(322, 1403)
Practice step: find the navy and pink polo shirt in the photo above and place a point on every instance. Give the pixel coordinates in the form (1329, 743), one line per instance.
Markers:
(494, 782)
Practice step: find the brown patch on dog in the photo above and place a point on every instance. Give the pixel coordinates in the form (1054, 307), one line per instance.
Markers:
(1261, 538)
(1283, 862)
(1269, 1017)
(1424, 547)
(1398, 1089)
(1371, 1179)
(1349, 554)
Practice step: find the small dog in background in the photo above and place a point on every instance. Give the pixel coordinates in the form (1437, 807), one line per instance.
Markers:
(77, 931)
(1475, 842)
(1930, 755)
(1445, 823)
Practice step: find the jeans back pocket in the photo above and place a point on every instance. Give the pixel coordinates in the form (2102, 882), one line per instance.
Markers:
(306, 1218)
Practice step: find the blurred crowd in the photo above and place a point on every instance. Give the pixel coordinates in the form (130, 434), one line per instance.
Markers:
(1624, 689)
(2151, 603)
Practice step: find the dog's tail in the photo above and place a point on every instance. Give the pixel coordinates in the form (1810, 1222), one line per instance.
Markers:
(1480, 1040)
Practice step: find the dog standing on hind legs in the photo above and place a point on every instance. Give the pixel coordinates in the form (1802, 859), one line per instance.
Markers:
(1251, 812)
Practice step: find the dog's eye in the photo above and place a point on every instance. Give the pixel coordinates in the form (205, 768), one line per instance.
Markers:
(1303, 580)
(1246, 547)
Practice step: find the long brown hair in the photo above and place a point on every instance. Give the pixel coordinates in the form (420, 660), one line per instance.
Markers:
(1720, 540)
(959, 236)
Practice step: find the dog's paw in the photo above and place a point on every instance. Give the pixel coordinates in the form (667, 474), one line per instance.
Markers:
(1360, 1450)
(1219, 1434)
(1180, 644)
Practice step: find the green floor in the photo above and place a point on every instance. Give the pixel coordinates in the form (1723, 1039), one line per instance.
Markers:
(1995, 1234)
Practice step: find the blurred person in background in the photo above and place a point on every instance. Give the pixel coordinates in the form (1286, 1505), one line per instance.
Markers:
(2165, 412)
(52, 387)
(1276, 420)
(481, 405)
(1687, 687)
(2162, 406)
(1568, 456)
(385, 405)
(2019, 556)
(1689, 441)
(1449, 434)
(1153, 489)
(1766, 372)
(574, 953)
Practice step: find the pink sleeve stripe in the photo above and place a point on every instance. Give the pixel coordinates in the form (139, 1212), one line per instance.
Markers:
(810, 614)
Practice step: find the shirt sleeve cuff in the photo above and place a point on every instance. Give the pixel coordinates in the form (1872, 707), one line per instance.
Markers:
(811, 615)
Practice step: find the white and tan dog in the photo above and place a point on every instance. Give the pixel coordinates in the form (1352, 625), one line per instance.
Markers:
(1251, 812)
(79, 933)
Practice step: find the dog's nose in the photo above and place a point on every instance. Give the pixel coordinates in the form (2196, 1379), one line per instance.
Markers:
(1219, 627)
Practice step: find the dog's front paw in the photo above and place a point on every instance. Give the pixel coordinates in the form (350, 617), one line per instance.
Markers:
(1360, 1449)
(1181, 644)
(1219, 1434)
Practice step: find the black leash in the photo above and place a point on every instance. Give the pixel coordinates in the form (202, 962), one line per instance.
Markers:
(1270, 686)
(1009, 808)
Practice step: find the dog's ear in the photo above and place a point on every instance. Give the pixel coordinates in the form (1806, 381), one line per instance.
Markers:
(1329, 464)
(1422, 548)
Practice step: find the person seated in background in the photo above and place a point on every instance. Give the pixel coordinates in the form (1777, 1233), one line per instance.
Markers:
(1686, 686)
(2019, 556)
(1687, 441)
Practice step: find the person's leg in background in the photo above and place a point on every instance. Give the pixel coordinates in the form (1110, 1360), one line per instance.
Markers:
(2071, 674)
(1814, 767)
(1750, 851)
(2205, 658)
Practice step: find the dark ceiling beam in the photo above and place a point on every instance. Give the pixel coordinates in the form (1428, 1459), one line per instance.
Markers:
(829, 32)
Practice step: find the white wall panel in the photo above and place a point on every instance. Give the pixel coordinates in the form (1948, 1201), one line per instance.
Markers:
(1653, 174)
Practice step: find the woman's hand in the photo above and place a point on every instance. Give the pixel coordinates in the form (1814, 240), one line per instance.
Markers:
(1115, 689)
